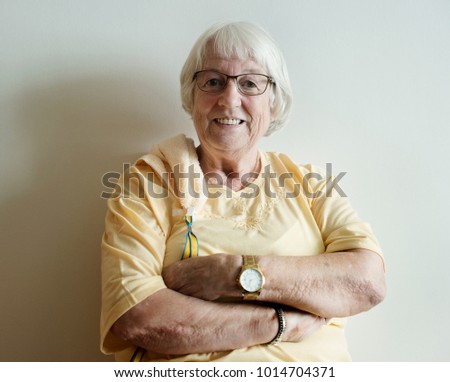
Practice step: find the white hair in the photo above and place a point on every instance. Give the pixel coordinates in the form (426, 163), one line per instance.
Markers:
(241, 40)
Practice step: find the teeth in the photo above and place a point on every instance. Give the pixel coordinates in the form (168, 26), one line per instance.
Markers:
(225, 121)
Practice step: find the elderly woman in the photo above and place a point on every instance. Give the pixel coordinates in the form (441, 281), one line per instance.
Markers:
(223, 252)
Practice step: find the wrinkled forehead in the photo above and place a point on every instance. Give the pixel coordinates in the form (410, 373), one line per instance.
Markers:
(235, 49)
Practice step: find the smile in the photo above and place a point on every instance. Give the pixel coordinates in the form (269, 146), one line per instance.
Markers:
(226, 121)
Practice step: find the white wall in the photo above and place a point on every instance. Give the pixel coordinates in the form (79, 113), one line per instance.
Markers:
(88, 85)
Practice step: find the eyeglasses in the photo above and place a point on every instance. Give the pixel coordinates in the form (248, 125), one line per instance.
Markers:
(250, 84)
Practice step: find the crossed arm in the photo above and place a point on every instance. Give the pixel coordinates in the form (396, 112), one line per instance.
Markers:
(187, 318)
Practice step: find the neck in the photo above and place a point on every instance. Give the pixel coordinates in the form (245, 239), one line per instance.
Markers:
(235, 169)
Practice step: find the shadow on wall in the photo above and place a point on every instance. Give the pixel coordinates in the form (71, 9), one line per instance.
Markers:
(69, 134)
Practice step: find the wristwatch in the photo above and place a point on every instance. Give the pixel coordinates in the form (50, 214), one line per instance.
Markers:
(250, 279)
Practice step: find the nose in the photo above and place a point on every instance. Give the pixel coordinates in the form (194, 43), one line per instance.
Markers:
(230, 96)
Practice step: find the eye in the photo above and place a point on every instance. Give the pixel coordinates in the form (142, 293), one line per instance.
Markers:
(213, 83)
(248, 84)
(252, 83)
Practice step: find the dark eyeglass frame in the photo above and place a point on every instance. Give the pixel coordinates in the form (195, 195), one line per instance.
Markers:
(269, 81)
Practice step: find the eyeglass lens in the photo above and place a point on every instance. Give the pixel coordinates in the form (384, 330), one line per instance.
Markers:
(214, 82)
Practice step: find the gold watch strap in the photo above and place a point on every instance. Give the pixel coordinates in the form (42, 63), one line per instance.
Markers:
(250, 295)
(249, 260)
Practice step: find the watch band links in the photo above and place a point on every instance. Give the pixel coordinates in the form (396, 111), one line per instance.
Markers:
(249, 261)
(250, 295)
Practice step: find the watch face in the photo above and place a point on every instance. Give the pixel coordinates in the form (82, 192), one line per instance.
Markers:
(251, 280)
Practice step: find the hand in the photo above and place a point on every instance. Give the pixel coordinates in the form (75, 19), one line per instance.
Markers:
(206, 277)
(300, 324)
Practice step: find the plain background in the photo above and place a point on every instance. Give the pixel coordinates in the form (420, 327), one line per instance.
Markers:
(88, 85)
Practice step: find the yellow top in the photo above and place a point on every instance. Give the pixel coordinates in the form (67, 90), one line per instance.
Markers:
(277, 214)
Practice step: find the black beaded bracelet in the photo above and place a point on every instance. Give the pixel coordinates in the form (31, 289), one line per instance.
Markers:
(281, 327)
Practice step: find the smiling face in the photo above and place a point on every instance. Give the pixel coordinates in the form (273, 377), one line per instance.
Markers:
(230, 122)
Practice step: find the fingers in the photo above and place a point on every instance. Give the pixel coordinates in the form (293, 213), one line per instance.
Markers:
(208, 278)
(302, 324)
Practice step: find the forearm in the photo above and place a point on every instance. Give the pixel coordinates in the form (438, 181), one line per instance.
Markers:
(329, 285)
(168, 322)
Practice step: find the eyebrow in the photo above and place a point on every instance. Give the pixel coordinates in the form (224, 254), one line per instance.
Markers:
(245, 71)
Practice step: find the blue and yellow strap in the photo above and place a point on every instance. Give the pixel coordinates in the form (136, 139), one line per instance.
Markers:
(138, 355)
(191, 249)
(191, 246)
